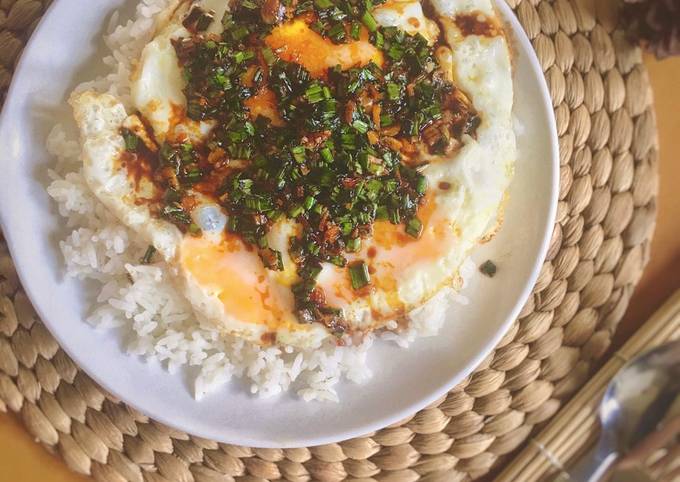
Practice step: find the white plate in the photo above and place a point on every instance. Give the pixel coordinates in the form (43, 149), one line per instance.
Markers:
(61, 54)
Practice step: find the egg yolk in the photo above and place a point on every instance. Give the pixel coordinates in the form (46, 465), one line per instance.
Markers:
(296, 42)
(234, 274)
(230, 271)
(388, 254)
(264, 104)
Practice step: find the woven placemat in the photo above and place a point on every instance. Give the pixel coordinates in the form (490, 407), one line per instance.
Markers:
(599, 247)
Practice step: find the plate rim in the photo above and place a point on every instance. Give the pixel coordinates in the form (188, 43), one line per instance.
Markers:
(511, 21)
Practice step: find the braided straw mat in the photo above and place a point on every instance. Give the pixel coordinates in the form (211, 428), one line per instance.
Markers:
(600, 244)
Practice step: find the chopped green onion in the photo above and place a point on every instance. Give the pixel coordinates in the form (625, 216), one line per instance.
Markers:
(355, 30)
(393, 91)
(193, 175)
(488, 268)
(378, 39)
(176, 213)
(242, 56)
(221, 80)
(298, 153)
(386, 120)
(244, 185)
(391, 185)
(395, 52)
(337, 32)
(359, 276)
(346, 228)
(339, 261)
(309, 202)
(262, 242)
(314, 93)
(360, 125)
(369, 21)
(194, 229)
(348, 140)
(148, 255)
(326, 154)
(414, 228)
(406, 203)
(353, 245)
(131, 140)
(326, 178)
(257, 203)
(296, 211)
(365, 218)
(373, 188)
(313, 248)
(394, 216)
(268, 55)
(172, 196)
(381, 213)
(310, 272)
(421, 184)
(249, 128)
(232, 224)
(239, 32)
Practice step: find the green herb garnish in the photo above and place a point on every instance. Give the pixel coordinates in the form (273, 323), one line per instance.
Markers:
(148, 255)
(414, 227)
(359, 276)
(175, 213)
(369, 21)
(488, 268)
(131, 140)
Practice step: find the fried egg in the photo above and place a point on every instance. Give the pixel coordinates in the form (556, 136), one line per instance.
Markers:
(222, 277)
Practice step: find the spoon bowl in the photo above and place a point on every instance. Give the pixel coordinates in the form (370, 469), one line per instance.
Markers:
(636, 400)
(640, 395)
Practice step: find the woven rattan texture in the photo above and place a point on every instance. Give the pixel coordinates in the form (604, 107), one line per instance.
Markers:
(599, 247)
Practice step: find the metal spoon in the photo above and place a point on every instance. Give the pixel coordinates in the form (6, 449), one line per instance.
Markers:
(636, 400)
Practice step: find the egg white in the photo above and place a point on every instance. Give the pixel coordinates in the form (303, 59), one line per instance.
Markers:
(478, 174)
(408, 16)
(157, 84)
(100, 118)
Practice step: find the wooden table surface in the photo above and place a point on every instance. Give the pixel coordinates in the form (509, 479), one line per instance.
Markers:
(23, 460)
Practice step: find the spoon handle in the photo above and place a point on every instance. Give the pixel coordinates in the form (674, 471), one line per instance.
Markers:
(590, 467)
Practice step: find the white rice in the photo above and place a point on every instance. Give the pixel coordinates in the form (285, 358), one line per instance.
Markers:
(158, 322)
